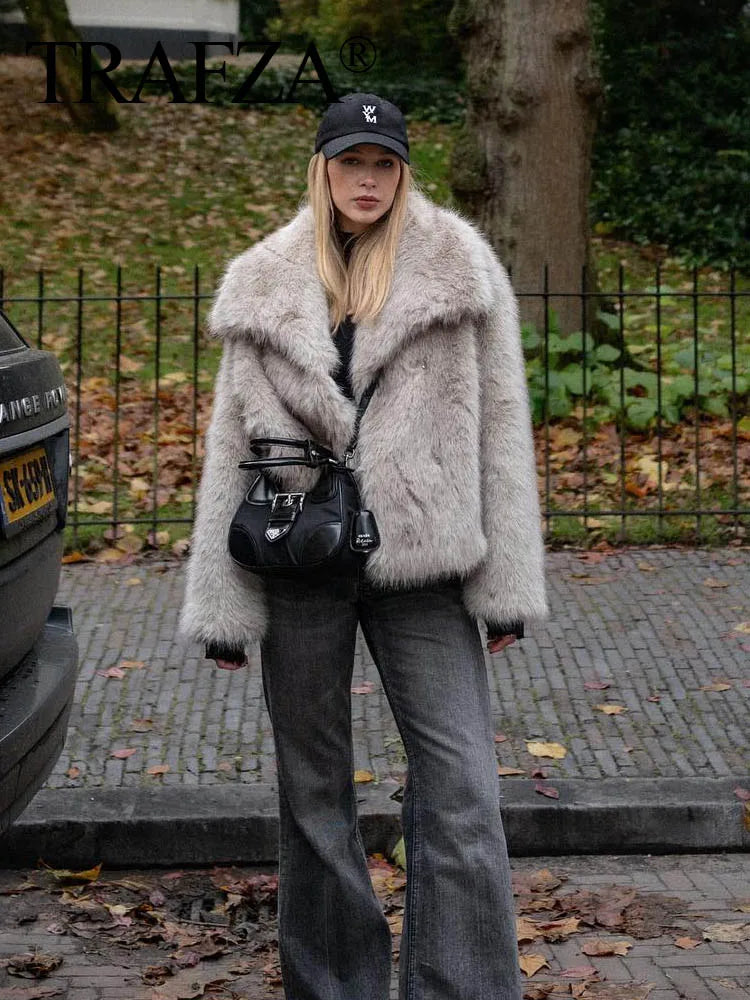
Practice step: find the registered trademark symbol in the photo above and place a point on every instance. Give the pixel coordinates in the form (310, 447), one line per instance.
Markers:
(357, 54)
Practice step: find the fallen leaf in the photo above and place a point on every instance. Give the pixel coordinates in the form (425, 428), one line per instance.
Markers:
(727, 932)
(531, 964)
(716, 686)
(32, 964)
(141, 725)
(601, 948)
(190, 983)
(596, 685)
(506, 772)
(363, 776)
(133, 581)
(616, 991)
(109, 555)
(647, 567)
(527, 930)
(129, 365)
(367, 688)
(611, 709)
(579, 972)
(132, 664)
(500, 737)
(158, 769)
(130, 544)
(711, 581)
(272, 974)
(75, 557)
(556, 930)
(743, 627)
(540, 992)
(73, 772)
(398, 854)
(113, 672)
(554, 750)
(67, 875)
(123, 754)
(550, 930)
(687, 942)
(548, 790)
(563, 437)
(158, 538)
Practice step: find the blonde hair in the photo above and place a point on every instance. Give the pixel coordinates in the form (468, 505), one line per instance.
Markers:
(362, 288)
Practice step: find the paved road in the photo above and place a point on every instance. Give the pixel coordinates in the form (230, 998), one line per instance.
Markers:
(700, 891)
(658, 624)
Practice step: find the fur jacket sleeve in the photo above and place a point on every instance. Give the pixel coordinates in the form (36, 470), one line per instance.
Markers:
(445, 458)
(510, 576)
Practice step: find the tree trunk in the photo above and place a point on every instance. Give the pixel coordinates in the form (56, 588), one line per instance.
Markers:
(521, 164)
(50, 22)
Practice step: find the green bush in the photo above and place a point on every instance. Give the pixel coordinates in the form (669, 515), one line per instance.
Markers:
(671, 162)
(614, 391)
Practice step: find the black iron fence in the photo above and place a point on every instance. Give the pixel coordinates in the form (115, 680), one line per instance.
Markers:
(641, 414)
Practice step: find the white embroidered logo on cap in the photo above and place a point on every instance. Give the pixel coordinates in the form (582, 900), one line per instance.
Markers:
(368, 110)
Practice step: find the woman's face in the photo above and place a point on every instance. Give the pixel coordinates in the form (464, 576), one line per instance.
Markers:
(363, 181)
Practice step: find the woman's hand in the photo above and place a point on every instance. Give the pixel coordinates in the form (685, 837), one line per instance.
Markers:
(495, 645)
(229, 665)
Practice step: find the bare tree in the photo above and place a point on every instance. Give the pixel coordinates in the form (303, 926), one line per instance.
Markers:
(50, 22)
(521, 165)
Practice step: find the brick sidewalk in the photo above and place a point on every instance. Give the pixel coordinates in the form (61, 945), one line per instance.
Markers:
(712, 888)
(645, 620)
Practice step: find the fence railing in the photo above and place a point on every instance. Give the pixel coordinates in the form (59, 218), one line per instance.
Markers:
(641, 414)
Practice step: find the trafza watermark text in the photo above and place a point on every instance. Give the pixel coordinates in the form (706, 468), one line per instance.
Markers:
(357, 54)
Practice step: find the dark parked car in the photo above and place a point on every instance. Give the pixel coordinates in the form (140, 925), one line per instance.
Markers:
(38, 652)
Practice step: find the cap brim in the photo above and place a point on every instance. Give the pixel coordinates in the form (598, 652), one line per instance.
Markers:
(335, 146)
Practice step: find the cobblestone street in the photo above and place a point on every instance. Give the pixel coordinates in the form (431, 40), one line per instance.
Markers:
(658, 624)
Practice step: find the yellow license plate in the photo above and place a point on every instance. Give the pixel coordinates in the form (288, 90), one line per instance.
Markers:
(26, 484)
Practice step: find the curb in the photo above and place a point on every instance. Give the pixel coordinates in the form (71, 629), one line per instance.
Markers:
(238, 824)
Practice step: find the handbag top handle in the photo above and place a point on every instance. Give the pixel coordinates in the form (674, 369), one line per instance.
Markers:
(315, 454)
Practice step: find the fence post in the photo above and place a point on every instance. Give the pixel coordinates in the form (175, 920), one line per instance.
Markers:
(79, 376)
(157, 361)
(118, 353)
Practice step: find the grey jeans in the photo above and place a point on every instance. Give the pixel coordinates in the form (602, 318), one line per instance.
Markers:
(458, 940)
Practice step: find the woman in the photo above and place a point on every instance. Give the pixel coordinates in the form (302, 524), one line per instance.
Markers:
(371, 276)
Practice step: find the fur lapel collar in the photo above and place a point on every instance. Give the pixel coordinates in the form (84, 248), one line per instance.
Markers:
(272, 294)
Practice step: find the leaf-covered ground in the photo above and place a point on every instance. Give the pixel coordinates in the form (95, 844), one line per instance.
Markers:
(212, 933)
(183, 188)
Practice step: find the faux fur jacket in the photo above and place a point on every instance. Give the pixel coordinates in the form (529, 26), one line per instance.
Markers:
(445, 455)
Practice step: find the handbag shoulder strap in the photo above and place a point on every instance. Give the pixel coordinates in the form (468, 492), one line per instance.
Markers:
(363, 403)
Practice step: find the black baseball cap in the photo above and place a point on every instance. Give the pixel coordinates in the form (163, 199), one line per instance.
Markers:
(362, 118)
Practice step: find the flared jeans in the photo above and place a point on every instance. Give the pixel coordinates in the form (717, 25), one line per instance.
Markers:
(458, 940)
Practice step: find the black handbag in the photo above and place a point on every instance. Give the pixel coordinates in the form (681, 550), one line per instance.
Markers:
(317, 533)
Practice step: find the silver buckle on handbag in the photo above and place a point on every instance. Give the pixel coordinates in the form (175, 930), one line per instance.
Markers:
(284, 510)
